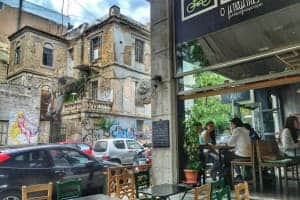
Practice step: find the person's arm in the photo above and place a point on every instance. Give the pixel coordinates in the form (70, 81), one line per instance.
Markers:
(287, 140)
(206, 137)
(232, 141)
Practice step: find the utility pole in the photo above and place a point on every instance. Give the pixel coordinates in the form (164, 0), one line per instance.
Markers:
(20, 14)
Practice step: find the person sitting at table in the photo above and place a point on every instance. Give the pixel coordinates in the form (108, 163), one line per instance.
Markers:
(252, 133)
(289, 136)
(241, 141)
(208, 137)
(199, 129)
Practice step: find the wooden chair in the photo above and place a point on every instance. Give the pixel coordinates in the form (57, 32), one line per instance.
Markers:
(68, 189)
(242, 191)
(203, 192)
(268, 155)
(142, 178)
(250, 163)
(125, 186)
(40, 191)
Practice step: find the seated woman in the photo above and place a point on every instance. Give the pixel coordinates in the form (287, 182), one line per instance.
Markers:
(289, 137)
(208, 137)
(241, 141)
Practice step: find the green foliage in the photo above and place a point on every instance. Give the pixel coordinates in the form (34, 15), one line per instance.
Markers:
(104, 124)
(191, 144)
(78, 88)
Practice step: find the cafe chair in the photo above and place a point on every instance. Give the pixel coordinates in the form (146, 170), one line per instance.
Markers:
(142, 178)
(125, 186)
(219, 190)
(268, 155)
(242, 191)
(37, 192)
(245, 163)
(68, 189)
(203, 192)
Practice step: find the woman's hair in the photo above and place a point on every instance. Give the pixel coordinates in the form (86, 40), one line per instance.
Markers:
(237, 121)
(290, 124)
(213, 133)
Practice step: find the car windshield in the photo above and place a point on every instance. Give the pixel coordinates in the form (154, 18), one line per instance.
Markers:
(100, 146)
(131, 144)
(84, 147)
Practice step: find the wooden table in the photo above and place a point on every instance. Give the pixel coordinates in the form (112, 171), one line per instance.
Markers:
(96, 197)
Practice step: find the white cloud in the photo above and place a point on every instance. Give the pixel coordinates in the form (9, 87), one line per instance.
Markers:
(89, 10)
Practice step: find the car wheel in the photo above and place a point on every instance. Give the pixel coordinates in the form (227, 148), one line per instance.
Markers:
(10, 195)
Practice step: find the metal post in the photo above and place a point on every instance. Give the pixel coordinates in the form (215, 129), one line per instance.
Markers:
(19, 15)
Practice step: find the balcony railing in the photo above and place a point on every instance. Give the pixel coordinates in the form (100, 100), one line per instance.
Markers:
(87, 105)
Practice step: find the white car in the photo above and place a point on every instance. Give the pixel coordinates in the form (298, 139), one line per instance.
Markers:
(119, 150)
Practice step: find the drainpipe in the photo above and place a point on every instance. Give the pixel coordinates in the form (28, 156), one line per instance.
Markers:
(19, 15)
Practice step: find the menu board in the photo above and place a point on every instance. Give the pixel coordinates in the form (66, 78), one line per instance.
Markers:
(160, 134)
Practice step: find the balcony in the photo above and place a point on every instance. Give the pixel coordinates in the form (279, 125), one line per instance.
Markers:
(87, 105)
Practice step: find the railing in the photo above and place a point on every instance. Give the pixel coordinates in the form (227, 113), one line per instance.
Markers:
(87, 105)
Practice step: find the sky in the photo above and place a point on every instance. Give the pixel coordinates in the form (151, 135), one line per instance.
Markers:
(89, 10)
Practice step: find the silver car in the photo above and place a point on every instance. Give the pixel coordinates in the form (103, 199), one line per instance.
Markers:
(120, 150)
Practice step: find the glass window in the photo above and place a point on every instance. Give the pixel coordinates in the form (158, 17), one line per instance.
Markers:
(95, 48)
(19, 161)
(3, 132)
(119, 144)
(100, 146)
(17, 55)
(139, 51)
(38, 159)
(131, 144)
(68, 158)
(48, 55)
(83, 147)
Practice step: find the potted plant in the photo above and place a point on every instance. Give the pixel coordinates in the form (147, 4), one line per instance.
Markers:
(191, 149)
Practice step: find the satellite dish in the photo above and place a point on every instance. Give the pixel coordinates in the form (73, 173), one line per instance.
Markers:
(144, 92)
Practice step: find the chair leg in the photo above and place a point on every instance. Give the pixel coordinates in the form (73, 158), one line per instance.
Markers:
(232, 174)
(280, 178)
(297, 174)
(254, 177)
(285, 178)
(261, 185)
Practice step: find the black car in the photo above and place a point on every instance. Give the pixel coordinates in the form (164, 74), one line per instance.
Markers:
(29, 165)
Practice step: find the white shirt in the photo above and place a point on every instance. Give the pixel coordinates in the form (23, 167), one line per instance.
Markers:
(287, 143)
(241, 141)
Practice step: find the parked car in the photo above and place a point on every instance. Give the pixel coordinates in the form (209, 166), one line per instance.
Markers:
(119, 150)
(85, 148)
(28, 165)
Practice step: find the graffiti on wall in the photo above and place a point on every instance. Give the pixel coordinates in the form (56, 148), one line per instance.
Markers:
(22, 130)
(117, 131)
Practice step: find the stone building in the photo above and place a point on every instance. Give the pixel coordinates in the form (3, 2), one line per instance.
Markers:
(32, 15)
(109, 58)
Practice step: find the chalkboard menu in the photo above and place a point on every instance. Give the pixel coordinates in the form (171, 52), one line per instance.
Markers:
(160, 134)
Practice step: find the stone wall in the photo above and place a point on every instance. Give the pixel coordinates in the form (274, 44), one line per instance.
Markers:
(20, 102)
(31, 45)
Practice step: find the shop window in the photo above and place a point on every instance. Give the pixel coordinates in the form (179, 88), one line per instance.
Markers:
(17, 55)
(95, 90)
(139, 51)
(48, 55)
(95, 48)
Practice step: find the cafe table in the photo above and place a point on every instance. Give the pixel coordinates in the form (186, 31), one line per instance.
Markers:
(165, 191)
(96, 197)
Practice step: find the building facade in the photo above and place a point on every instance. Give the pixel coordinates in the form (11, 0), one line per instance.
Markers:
(96, 69)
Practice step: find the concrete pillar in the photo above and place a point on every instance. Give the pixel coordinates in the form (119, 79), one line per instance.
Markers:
(164, 102)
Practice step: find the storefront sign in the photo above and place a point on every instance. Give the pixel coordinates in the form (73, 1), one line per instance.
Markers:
(194, 18)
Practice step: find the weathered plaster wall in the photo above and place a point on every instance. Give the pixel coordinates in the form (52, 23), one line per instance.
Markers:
(164, 102)
(14, 100)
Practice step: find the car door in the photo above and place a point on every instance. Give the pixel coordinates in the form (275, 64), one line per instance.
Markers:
(29, 168)
(119, 151)
(71, 164)
(132, 148)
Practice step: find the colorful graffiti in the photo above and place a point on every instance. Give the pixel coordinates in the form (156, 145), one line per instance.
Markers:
(117, 131)
(21, 130)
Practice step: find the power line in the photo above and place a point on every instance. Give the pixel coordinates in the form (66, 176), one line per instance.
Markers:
(86, 9)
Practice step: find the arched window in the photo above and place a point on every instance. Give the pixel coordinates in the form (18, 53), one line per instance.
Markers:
(48, 55)
(17, 53)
